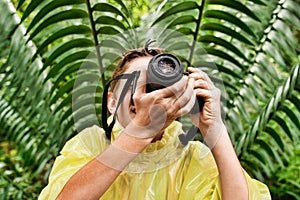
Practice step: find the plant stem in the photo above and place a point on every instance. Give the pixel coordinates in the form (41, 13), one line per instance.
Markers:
(197, 31)
(94, 32)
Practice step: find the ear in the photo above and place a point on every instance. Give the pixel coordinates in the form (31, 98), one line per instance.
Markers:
(111, 102)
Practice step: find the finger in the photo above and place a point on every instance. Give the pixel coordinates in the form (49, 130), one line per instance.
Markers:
(215, 93)
(187, 94)
(184, 101)
(187, 107)
(194, 70)
(199, 74)
(176, 89)
(205, 94)
(202, 84)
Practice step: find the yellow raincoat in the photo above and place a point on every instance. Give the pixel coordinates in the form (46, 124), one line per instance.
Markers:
(166, 170)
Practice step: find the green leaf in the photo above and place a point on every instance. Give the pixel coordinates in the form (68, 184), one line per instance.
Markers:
(295, 100)
(263, 166)
(69, 124)
(84, 113)
(292, 6)
(223, 55)
(70, 69)
(261, 121)
(180, 7)
(259, 2)
(67, 114)
(290, 18)
(87, 77)
(185, 31)
(61, 91)
(258, 156)
(265, 65)
(268, 148)
(235, 5)
(256, 89)
(182, 20)
(84, 100)
(283, 28)
(111, 21)
(112, 44)
(80, 42)
(249, 96)
(108, 30)
(121, 3)
(284, 126)
(222, 15)
(293, 194)
(228, 71)
(58, 17)
(223, 29)
(66, 102)
(242, 110)
(54, 71)
(21, 2)
(32, 6)
(223, 43)
(111, 56)
(105, 7)
(178, 46)
(73, 29)
(278, 39)
(275, 136)
(80, 92)
(52, 5)
(292, 116)
(274, 53)
(166, 36)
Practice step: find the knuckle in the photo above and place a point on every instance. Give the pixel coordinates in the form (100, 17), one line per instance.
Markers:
(184, 111)
(173, 90)
(136, 97)
(184, 100)
(217, 91)
(172, 109)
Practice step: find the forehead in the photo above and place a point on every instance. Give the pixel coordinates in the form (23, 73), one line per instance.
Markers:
(138, 64)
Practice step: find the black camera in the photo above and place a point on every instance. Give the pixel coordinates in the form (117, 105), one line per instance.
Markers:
(164, 70)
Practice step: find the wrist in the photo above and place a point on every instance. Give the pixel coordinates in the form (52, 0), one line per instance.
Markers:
(122, 151)
(135, 130)
(130, 143)
(205, 128)
(214, 133)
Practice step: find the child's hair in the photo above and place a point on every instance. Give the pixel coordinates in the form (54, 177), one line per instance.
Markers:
(131, 55)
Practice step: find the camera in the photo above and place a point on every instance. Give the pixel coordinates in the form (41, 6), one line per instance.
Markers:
(163, 71)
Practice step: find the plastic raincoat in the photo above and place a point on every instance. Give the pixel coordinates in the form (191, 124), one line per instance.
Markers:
(165, 170)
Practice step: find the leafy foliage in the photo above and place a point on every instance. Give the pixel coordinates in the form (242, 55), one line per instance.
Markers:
(53, 54)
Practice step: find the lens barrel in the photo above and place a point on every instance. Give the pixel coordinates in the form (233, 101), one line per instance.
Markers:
(163, 71)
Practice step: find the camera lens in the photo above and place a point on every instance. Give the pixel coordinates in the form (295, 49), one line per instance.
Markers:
(166, 66)
(163, 71)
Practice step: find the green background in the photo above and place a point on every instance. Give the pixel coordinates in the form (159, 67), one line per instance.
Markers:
(254, 45)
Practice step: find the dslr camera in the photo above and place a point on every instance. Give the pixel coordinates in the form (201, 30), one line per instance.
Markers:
(163, 71)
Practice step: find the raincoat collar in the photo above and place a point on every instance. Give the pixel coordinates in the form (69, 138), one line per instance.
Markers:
(158, 154)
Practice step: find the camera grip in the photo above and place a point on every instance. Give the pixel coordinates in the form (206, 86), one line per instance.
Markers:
(198, 106)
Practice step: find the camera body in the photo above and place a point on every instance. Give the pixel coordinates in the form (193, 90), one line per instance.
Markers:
(163, 71)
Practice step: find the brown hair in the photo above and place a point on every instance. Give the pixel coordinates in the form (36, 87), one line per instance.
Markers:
(128, 57)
